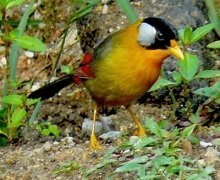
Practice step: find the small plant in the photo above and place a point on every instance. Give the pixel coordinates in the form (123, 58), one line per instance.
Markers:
(47, 128)
(68, 167)
(158, 156)
(13, 113)
(12, 116)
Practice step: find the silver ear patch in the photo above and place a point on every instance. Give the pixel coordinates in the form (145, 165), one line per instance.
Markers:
(146, 35)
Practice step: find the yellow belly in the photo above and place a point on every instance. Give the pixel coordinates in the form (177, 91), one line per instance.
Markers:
(121, 79)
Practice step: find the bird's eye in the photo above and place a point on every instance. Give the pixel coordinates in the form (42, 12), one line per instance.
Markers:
(160, 36)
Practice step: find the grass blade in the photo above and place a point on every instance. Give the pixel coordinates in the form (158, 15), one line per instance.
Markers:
(128, 10)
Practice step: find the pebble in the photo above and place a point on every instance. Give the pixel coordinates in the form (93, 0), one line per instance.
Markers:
(47, 146)
(39, 150)
(212, 155)
(35, 86)
(110, 135)
(2, 49)
(106, 123)
(111, 30)
(126, 151)
(205, 144)
(87, 127)
(202, 162)
(29, 54)
(134, 139)
(104, 1)
(56, 143)
(69, 141)
(3, 62)
(105, 9)
(54, 78)
(67, 131)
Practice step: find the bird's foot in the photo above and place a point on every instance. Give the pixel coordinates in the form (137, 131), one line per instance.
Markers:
(140, 132)
(94, 143)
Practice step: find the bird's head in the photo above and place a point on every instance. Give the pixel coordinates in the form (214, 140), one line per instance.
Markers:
(155, 33)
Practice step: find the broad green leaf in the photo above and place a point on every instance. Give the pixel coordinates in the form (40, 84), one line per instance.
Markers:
(31, 43)
(187, 35)
(31, 101)
(12, 35)
(189, 66)
(13, 99)
(206, 91)
(141, 173)
(66, 69)
(208, 74)
(4, 130)
(14, 3)
(177, 77)
(193, 139)
(174, 169)
(129, 167)
(181, 34)
(38, 127)
(217, 101)
(161, 161)
(3, 141)
(215, 44)
(54, 130)
(209, 169)
(3, 3)
(194, 118)
(145, 141)
(45, 132)
(216, 142)
(17, 117)
(153, 127)
(137, 160)
(188, 130)
(213, 91)
(201, 32)
(100, 165)
(160, 83)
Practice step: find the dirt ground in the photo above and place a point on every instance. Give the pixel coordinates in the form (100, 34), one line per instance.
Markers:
(37, 157)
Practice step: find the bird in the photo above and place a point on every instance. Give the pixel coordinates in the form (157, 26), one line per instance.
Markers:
(122, 68)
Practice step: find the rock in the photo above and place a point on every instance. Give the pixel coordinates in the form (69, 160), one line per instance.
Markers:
(3, 62)
(106, 123)
(110, 135)
(35, 86)
(212, 155)
(38, 151)
(47, 146)
(56, 143)
(105, 9)
(69, 141)
(29, 54)
(87, 127)
(205, 144)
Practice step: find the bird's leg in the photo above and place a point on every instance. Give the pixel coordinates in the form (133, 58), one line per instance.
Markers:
(140, 129)
(94, 142)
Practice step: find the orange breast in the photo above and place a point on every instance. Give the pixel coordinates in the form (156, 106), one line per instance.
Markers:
(126, 71)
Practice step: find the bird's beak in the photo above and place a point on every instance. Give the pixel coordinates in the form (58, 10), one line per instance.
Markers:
(175, 50)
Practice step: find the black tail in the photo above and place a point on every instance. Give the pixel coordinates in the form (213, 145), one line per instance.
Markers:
(51, 89)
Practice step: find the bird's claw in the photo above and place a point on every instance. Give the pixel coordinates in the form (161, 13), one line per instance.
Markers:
(94, 143)
(140, 132)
